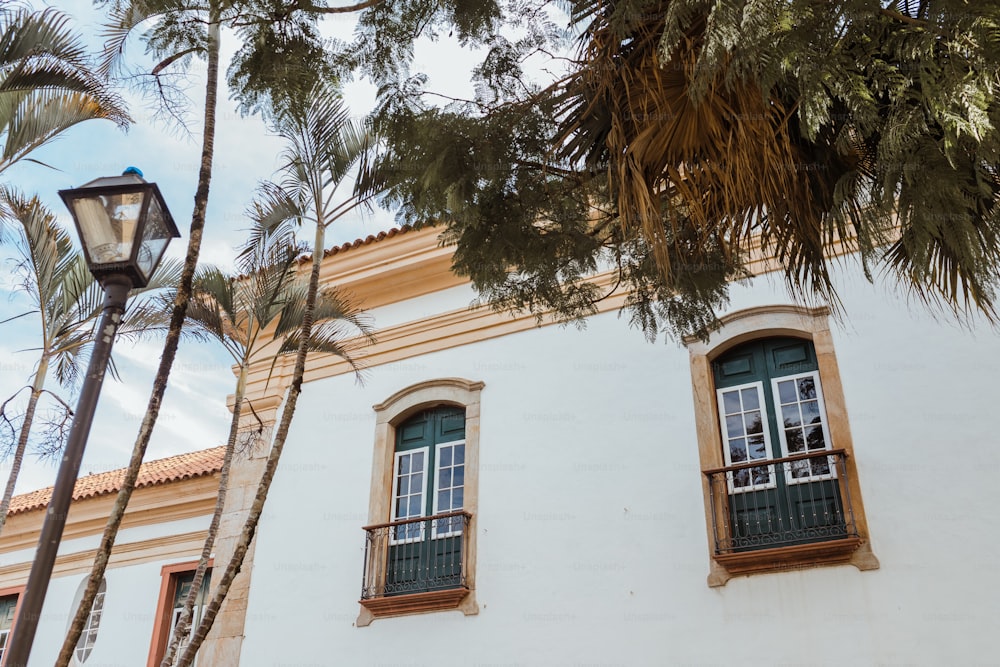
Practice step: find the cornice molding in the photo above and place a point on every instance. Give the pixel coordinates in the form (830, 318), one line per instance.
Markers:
(173, 501)
(414, 264)
(167, 547)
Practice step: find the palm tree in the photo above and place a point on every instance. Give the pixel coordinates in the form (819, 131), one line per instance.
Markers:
(247, 314)
(176, 31)
(324, 149)
(46, 85)
(68, 302)
(704, 124)
(125, 19)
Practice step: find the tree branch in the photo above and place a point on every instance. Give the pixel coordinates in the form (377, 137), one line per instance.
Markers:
(310, 7)
(172, 59)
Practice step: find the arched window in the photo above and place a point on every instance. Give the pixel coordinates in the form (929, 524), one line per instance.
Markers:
(781, 485)
(429, 465)
(770, 403)
(420, 547)
(85, 645)
(425, 552)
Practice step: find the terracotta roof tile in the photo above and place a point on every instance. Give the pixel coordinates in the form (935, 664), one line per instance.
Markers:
(152, 473)
(371, 238)
(357, 243)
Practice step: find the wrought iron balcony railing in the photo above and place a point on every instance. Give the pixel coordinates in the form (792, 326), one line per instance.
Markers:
(771, 503)
(419, 555)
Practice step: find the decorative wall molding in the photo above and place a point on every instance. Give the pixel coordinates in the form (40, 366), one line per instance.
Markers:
(172, 501)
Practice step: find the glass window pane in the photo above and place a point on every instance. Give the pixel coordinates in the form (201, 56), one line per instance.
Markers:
(415, 508)
(741, 478)
(790, 415)
(821, 465)
(786, 391)
(459, 454)
(457, 499)
(404, 486)
(444, 501)
(418, 460)
(793, 437)
(444, 478)
(814, 437)
(807, 388)
(810, 412)
(752, 422)
(751, 399)
(458, 479)
(800, 469)
(417, 483)
(731, 402)
(734, 426)
(404, 464)
(738, 450)
(757, 448)
(401, 508)
(445, 457)
(761, 475)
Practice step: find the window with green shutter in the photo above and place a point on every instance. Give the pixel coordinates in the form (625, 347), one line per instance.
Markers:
(8, 605)
(427, 500)
(782, 491)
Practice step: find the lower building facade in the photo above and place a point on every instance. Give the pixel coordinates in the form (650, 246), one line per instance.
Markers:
(499, 492)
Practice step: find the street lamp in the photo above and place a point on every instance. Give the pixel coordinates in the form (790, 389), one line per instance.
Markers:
(124, 227)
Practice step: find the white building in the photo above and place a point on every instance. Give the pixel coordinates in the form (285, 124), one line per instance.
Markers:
(607, 501)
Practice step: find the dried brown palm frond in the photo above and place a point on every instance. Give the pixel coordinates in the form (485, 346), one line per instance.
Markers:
(732, 163)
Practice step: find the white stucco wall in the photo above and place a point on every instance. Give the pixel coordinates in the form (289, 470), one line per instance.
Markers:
(129, 604)
(591, 545)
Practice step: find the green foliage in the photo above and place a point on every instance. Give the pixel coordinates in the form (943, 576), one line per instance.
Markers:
(46, 84)
(682, 135)
(689, 132)
(265, 303)
(281, 58)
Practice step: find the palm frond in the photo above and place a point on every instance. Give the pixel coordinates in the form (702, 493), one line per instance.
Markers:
(214, 309)
(274, 214)
(46, 84)
(123, 19)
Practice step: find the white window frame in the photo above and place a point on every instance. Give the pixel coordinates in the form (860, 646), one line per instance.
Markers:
(197, 612)
(395, 495)
(84, 646)
(783, 441)
(437, 470)
(765, 424)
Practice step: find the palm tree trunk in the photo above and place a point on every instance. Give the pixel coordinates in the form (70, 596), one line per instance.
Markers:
(22, 440)
(169, 348)
(257, 508)
(184, 623)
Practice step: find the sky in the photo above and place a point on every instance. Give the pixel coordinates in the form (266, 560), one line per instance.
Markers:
(193, 415)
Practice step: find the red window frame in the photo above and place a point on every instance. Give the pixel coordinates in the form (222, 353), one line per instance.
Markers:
(165, 607)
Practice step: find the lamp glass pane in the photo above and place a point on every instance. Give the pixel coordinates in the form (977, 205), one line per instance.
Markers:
(107, 224)
(155, 237)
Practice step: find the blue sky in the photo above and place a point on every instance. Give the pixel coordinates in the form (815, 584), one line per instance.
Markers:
(193, 415)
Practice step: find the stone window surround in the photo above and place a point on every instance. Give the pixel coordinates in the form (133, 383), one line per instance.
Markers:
(761, 322)
(392, 412)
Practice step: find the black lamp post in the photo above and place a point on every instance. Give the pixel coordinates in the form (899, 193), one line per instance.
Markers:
(124, 226)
